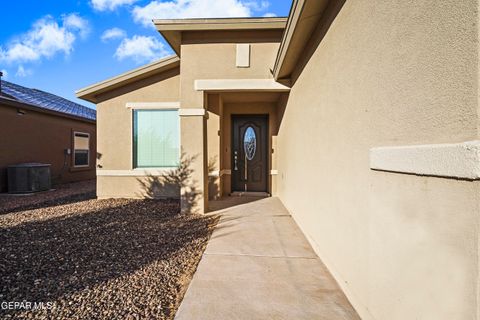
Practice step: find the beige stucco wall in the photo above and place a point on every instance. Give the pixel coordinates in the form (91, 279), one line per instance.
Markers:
(388, 73)
(114, 126)
(202, 60)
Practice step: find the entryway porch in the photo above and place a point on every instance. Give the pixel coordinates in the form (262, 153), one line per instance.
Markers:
(241, 141)
(258, 265)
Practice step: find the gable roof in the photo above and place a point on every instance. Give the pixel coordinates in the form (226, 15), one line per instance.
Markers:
(45, 100)
(89, 93)
(171, 29)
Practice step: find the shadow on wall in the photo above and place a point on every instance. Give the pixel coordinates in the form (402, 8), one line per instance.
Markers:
(173, 184)
(213, 179)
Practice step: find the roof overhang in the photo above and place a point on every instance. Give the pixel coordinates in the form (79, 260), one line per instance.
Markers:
(90, 93)
(171, 29)
(302, 21)
(240, 85)
(31, 107)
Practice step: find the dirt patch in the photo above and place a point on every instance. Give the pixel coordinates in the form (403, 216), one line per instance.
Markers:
(100, 259)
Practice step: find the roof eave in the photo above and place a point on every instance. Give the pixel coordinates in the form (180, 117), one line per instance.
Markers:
(28, 106)
(90, 93)
(171, 29)
(302, 20)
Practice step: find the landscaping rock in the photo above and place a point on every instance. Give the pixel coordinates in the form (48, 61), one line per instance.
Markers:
(99, 259)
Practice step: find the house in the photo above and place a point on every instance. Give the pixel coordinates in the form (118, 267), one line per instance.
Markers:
(361, 116)
(38, 126)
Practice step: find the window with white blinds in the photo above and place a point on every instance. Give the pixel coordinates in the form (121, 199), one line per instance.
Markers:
(156, 138)
(81, 149)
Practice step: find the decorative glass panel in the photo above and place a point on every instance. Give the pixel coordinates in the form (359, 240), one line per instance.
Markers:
(250, 143)
(156, 138)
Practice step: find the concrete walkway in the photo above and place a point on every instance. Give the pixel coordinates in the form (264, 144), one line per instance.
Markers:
(258, 265)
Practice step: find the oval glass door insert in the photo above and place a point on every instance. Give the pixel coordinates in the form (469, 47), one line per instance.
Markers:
(250, 143)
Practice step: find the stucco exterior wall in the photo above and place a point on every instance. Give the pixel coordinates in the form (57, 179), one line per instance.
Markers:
(202, 60)
(114, 119)
(387, 73)
(40, 137)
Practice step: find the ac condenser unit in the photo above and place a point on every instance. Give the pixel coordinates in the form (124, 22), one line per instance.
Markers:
(28, 177)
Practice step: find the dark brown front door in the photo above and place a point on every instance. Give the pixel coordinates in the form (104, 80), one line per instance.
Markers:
(249, 153)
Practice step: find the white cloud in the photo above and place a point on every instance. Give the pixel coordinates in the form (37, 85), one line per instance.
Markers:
(269, 15)
(141, 49)
(5, 74)
(104, 5)
(175, 9)
(257, 5)
(45, 39)
(22, 72)
(114, 33)
(75, 22)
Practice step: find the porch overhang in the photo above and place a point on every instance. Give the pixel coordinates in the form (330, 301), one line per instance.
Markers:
(171, 29)
(235, 85)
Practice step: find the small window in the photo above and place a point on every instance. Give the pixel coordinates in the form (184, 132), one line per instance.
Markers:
(81, 149)
(156, 138)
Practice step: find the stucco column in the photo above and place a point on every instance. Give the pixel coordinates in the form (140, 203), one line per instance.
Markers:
(194, 186)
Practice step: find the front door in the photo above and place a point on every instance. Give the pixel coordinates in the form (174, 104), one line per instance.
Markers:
(250, 153)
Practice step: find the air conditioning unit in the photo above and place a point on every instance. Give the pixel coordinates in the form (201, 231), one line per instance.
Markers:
(28, 177)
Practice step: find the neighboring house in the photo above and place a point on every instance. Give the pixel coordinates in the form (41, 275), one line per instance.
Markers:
(38, 126)
(361, 116)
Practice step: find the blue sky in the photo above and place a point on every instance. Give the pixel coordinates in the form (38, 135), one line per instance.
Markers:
(62, 46)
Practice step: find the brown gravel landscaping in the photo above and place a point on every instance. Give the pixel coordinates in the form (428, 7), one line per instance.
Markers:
(98, 259)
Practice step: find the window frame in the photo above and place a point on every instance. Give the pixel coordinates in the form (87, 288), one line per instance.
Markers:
(133, 145)
(73, 150)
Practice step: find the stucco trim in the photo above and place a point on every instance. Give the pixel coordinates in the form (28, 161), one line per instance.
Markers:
(192, 112)
(214, 173)
(453, 160)
(135, 172)
(153, 105)
(239, 85)
(219, 173)
(225, 172)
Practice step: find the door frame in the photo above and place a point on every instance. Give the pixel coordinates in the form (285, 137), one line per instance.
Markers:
(267, 147)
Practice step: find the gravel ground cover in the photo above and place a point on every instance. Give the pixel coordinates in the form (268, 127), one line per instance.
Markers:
(63, 193)
(99, 259)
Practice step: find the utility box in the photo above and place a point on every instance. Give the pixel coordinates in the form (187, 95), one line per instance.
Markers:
(28, 177)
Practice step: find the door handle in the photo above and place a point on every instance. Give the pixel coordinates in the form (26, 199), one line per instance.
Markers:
(235, 156)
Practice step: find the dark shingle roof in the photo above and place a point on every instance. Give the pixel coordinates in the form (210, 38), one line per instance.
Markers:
(46, 100)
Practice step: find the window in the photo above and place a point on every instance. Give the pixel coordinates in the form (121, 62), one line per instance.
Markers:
(156, 141)
(81, 149)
